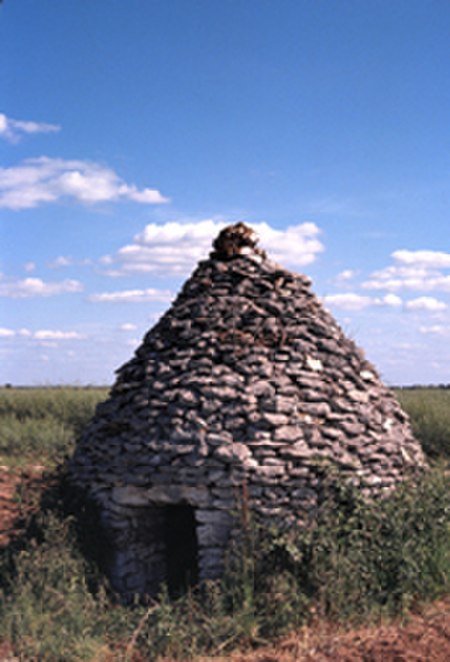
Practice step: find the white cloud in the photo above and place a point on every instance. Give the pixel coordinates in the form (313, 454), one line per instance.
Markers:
(42, 335)
(408, 278)
(297, 245)
(147, 196)
(128, 327)
(175, 247)
(423, 258)
(435, 329)
(347, 301)
(13, 130)
(63, 261)
(35, 287)
(345, 276)
(47, 334)
(29, 267)
(41, 180)
(413, 270)
(172, 248)
(426, 303)
(391, 300)
(355, 302)
(132, 296)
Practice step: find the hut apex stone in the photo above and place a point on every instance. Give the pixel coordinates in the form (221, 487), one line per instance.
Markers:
(246, 385)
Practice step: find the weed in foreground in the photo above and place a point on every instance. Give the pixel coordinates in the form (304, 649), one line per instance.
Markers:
(357, 560)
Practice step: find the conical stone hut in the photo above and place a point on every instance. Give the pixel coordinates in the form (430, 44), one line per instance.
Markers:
(245, 381)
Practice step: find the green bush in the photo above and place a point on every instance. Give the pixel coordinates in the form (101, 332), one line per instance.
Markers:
(369, 557)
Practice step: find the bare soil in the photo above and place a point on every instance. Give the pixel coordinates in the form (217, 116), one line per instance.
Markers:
(424, 636)
(14, 505)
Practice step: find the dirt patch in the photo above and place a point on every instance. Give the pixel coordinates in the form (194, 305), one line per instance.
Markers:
(16, 489)
(423, 637)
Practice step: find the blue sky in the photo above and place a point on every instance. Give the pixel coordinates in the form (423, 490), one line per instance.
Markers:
(130, 133)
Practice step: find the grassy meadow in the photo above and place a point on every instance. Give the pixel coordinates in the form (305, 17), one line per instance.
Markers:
(360, 561)
(40, 425)
(429, 410)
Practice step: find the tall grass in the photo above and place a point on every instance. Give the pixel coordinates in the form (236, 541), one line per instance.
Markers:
(429, 409)
(41, 425)
(47, 611)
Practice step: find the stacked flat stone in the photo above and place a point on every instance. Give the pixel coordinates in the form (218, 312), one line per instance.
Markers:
(246, 380)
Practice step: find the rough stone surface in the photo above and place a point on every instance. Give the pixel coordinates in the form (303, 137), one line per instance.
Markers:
(246, 386)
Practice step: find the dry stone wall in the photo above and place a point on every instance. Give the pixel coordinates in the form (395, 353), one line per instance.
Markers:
(246, 380)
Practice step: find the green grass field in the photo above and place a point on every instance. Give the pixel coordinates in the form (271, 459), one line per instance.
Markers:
(429, 409)
(40, 425)
(360, 560)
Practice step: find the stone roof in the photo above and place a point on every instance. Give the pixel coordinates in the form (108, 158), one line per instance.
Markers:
(245, 376)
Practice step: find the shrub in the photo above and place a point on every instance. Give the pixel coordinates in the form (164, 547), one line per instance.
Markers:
(361, 558)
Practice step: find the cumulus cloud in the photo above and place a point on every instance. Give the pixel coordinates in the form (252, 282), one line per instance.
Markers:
(421, 271)
(426, 303)
(174, 248)
(132, 296)
(347, 301)
(352, 301)
(391, 300)
(435, 329)
(345, 276)
(63, 261)
(35, 287)
(423, 258)
(408, 278)
(42, 335)
(127, 327)
(297, 245)
(47, 334)
(13, 130)
(44, 180)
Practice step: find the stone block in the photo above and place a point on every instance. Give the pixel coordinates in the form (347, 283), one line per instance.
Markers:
(288, 433)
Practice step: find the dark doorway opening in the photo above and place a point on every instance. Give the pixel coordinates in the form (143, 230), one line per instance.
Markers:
(180, 540)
